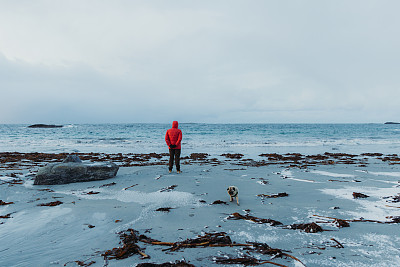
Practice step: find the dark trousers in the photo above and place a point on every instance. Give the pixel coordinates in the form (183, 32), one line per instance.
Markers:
(174, 154)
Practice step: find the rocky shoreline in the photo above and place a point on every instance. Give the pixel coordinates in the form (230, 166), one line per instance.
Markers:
(16, 160)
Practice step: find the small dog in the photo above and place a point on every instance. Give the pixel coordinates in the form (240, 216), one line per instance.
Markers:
(233, 192)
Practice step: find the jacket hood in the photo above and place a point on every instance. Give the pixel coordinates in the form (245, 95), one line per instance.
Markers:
(174, 124)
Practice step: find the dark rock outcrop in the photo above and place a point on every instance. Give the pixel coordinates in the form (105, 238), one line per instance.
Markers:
(44, 126)
(73, 170)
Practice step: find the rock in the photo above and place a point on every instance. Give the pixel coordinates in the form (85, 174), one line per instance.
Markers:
(73, 170)
(72, 158)
(44, 126)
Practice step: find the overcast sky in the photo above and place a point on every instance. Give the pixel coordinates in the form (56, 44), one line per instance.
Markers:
(213, 61)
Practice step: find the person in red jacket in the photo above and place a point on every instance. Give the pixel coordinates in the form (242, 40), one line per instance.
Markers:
(173, 138)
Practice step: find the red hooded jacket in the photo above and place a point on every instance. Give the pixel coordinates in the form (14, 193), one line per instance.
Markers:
(174, 136)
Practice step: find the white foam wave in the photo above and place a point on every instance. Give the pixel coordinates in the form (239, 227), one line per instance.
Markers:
(313, 143)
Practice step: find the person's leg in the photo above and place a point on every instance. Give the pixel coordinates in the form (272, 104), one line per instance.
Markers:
(178, 159)
(171, 159)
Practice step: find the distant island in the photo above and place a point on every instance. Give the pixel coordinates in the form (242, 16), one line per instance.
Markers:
(391, 122)
(45, 126)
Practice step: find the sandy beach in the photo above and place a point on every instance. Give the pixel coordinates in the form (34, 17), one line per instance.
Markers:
(295, 103)
(176, 208)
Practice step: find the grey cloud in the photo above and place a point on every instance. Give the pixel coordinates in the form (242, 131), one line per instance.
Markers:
(203, 61)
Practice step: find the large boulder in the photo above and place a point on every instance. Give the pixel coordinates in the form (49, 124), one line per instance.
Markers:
(73, 170)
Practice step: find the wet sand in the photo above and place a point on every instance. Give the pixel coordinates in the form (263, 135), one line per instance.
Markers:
(321, 221)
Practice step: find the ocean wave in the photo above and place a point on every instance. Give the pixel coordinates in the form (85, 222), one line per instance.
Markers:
(312, 143)
(143, 138)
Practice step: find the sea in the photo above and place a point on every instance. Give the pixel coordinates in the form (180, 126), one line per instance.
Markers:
(214, 139)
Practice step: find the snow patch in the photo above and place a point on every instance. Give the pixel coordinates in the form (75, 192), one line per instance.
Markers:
(332, 174)
(29, 183)
(372, 208)
(391, 174)
(6, 178)
(303, 180)
(175, 198)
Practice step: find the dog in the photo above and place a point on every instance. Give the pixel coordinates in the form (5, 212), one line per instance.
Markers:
(233, 192)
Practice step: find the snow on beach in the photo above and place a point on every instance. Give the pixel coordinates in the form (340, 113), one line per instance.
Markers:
(175, 207)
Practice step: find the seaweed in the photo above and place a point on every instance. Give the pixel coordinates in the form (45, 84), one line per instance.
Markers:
(81, 263)
(263, 182)
(3, 203)
(341, 223)
(395, 219)
(284, 194)
(198, 156)
(130, 237)
(395, 199)
(167, 209)
(359, 195)
(14, 181)
(51, 204)
(338, 244)
(107, 185)
(344, 223)
(272, 156)
(238, 216)
(219, 239)
(166, 264)
(129, 247)
(246, 260)
(46, 189)
(233, 156)
(206, 240)
(265, 249)
(372, 154)
(307, 227)
(7, 216)
(217, 202)
(16, 160)
(169, 188)
(130, 186)
(92, 193)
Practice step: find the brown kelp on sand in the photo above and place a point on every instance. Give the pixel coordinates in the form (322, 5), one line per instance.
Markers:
(18, 161)
(130, 237)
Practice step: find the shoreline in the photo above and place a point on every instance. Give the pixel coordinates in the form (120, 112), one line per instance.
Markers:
(20, 159)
